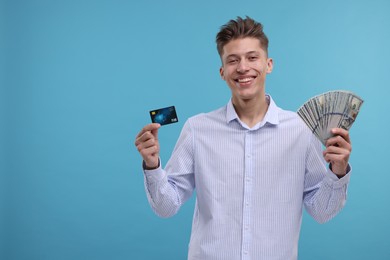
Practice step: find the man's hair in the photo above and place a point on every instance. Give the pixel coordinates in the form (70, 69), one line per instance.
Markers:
(238, 29)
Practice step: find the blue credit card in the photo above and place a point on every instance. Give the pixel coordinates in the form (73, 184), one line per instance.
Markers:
(164, 116)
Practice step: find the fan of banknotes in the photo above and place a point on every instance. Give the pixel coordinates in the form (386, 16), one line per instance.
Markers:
(329, 110)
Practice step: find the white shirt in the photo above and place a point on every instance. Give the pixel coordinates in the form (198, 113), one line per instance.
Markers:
(251, 184)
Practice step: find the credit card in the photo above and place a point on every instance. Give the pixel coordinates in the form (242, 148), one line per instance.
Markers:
(164, 116)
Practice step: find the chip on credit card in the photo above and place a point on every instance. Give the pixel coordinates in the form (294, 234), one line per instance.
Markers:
(164, 116)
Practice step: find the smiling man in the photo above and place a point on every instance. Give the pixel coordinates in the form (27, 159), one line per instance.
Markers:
(245, 65)
(254, 165)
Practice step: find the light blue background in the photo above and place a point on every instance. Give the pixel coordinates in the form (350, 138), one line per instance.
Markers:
(79, 77)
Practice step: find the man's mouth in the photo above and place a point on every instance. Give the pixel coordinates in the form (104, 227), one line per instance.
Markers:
(244, 80)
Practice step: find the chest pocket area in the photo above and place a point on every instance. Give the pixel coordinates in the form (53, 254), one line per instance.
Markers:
(289, 185)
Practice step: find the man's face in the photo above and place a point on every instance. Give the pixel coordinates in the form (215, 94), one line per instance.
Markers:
(244, 67)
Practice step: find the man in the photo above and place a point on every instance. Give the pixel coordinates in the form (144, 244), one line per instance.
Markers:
(253, 165)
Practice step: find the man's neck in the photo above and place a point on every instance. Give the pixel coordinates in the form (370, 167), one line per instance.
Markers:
(251, 111)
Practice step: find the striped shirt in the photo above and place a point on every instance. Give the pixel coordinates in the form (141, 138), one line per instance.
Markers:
(251, 184)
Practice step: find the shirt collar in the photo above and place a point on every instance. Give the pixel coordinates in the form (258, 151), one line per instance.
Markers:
(271, 117)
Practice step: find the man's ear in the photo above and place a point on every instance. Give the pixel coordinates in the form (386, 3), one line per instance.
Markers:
(221, 73)
(270, 65)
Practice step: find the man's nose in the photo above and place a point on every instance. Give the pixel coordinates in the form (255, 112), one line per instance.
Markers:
(242, 66)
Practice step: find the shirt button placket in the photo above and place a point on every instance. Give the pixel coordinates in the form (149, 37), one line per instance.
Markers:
(246, 216)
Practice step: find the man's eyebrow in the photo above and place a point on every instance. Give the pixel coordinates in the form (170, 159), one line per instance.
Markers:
(248, 53)
(232, 56)
(253, 52)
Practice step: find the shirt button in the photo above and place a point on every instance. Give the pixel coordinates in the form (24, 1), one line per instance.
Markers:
(245, 252)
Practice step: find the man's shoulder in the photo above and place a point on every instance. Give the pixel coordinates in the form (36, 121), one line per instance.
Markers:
(291, 123)
(208, 118)
(288, 114)
(291, 119)
(214, 114)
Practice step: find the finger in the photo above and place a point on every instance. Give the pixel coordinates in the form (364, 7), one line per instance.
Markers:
(155, 133)
(336, 152)
(336, 159)
(342, 132)
(328, 158)
(146, 144)
(150, 151)
(335, 149)
(339, 141)
(147, 128)
(149, 131)
(143, 138)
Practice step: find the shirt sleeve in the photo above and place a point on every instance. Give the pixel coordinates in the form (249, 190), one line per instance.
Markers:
(325, 194)
(167, 189)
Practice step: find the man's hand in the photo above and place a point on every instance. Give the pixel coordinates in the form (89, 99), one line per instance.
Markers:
(148, 146)
(338, 149)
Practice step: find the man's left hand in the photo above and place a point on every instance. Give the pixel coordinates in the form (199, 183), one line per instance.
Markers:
(338, 150)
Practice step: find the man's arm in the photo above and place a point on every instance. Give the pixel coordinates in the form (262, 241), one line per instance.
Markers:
(326, 188)
(167, 189)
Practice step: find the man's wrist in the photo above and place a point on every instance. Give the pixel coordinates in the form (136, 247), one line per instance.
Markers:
(340, 175)
(145, 167)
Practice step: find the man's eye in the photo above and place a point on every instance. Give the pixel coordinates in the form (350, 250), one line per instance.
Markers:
(253, 58)
(232, 61)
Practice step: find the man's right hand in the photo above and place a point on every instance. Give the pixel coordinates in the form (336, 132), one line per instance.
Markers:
(148, 146)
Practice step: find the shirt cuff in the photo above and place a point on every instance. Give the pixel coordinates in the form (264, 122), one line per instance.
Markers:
(154, 175)
(337, 182)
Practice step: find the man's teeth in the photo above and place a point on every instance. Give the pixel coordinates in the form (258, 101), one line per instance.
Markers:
(244, 80)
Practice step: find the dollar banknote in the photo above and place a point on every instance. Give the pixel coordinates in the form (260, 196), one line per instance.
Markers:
(333, 109)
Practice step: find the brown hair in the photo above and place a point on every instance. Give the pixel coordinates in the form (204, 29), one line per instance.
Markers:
(241, 28)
